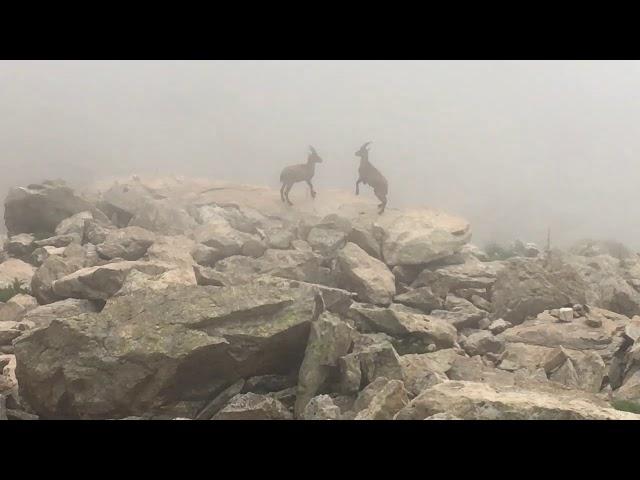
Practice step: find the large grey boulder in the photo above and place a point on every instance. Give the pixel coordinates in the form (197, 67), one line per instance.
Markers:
(381, 400)
(421, 298)
(149, 351)
(43, 315)
(130, 243)
(472, 274)
(135, 204)
(414, 331)
(526, 287)
(419, 236)
(74, 225)
(329, 339)
(372, 357)
(101, 282)
(172, 250)
(53, 268)
(608, 287)
(460, 313)
(368, 277)
(40, 208)
(305, 266)
(321, 407)
(478, 401)
(326, 241)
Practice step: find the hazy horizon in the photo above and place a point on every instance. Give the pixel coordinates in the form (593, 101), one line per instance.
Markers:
(515, 147)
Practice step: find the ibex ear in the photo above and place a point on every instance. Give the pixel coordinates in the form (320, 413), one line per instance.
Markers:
(312, 150)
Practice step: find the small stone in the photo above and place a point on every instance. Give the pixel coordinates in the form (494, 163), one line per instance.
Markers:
(563, 314)
(499, 326)
(593, 322)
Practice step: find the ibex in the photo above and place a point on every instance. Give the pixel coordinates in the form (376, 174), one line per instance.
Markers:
(299, 173)
(370, 175)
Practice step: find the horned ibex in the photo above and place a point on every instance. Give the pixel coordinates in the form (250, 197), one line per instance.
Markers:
(369, 175)
(299, 173)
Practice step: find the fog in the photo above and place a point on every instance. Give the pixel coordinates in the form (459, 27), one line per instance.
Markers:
(514, 147)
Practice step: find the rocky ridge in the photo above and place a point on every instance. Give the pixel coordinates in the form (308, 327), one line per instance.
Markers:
(182, 298)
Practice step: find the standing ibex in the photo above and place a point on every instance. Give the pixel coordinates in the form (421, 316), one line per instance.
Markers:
(299, 173)
(369, 175)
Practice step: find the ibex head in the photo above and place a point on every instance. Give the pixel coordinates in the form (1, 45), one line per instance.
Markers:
(364, 150)
(313, 156)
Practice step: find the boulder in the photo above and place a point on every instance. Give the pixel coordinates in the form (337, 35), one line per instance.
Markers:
(172, 250)
(326, 241)
(498, 326)
(368, 361)
(95, 232)
(368, 277)
(632, 329)
(130, 243)
(101, 282)
(422, 371)
(40, 208)
(481, 343)
(16, 307)
(460, 312)
(137, 280)
(420, 236)
(206, 256)
(149, 351)
(366, 240)
(421, 298)
(253, 248)
(546, 331)
(415, 330)
(381, 400)
(74, 225)
(279, 238)
(472, 274)
(329, 339)
(136, 204)
(321, 407)
(579, 369)
(52, 269)
(526, 287)
(43, 315)
(478, 401)
(608, 287)
(221, 236)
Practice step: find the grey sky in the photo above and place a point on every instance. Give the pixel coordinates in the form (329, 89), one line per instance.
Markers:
(515, 147)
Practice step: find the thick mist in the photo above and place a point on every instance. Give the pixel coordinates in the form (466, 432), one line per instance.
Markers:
(515, 147)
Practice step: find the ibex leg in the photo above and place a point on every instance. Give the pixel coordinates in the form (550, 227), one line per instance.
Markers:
(313, 192)
(282, 191)
(286, 194)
